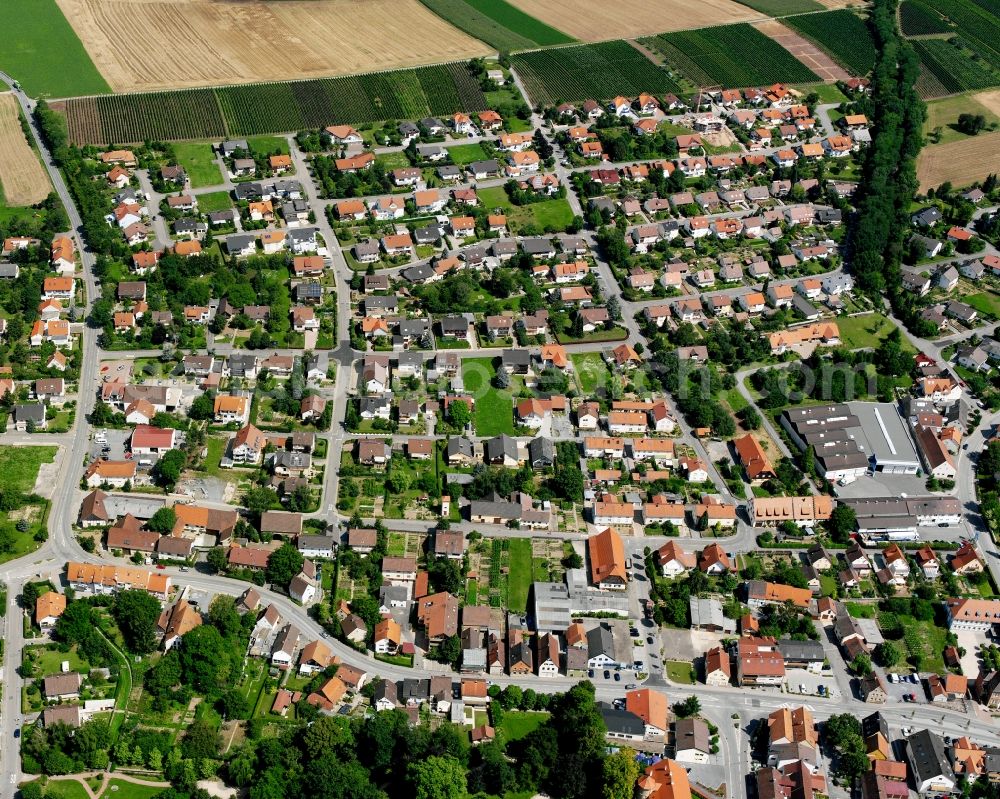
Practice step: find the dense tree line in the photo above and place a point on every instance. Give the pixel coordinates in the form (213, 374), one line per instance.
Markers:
(876, 237)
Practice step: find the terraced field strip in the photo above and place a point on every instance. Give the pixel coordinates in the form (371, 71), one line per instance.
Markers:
(804, 50)
(731, 56)
(843, 34)
(22, 177)
(267, 108)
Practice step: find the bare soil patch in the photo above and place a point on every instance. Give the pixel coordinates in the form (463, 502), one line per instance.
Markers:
(961, 162)
(804, 50)
(24, 180)
(186, 43)
(597, 20)
(990, 99)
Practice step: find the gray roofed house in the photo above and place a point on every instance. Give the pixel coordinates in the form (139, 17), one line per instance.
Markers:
(9, 271)
(243, 364)
(829, 216)
(474, 256)
(449, 172)
(414, 691)
(706, 614)
(541, 452)
(600, 646)
(801, 654)
(366, 251)
(290, 461)
(407, 129)
(504, 248)
(428, 234)
(457, 326)
(483, 169)
(302, 239)
(309, 292)
(31, 412)
(375, 283)
(241, 243)
(190, 227)
(411, 362)
(290, 189)
(414, 328)
(230, 146)
(224, 216)
(419, 273)
(929, 766)
(377, 305)
(315, 546)
(538, 247)
(459, 447)
(517, 361)
(431, 152)
(433, 125)
(501, 450)
(691, 739)
(622, 723)
(926, 217)
(249, 191)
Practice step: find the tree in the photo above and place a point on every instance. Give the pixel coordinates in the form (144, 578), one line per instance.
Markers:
(843, 521)
(284, 563)
(459, 414)
(862, 665)
(450, 650)
(971, 124)
(136, 614)
(259, 499)
(437, 778)
(620, 772)
(203, 407)
(29, 595)
(200, 741)
(222, 615)
(688, 707)
(573, 560)
(162, 521)
(217, 559)
(208, 662)
(167, 470)
(888, 654)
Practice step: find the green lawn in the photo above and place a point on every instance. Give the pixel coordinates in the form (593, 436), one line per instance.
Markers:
(679, 671)
(548, 215)
(828, 585)
(49, 661)
(394, 160)
(120, 789)
(828, 92)
(860, 610)
(942, 115)
(65, 789)
(519, 724)
(986, 302)
(214, 201)
(591, 371)
(266, 145)
(519, 576)
(42, 51)
(19, 465)
(198, 159)
(865, 332)
(463, 154)
(737, 402)
(494, 410)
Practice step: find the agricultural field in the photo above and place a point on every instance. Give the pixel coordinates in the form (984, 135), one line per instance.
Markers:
(962, 162)
(978, 23)
(843, 34)
(198, 159)
(229, 41)
(22, 179)
(598, 71)
(781, 8)
(917, 19)
(941, 124)
(497, 23)
(730, 55)
(43, 53)
(953, 67)
(599, 20)
(807, 52)
(266, 108)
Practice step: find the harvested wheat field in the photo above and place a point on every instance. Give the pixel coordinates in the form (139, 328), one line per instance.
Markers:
(961, 162)
(990, 99)
(24, 180)
(804, 50)
(185, 43)
(597, 20)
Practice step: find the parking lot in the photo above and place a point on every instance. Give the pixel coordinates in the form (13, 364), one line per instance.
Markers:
(807, 683)
(898, 690)
(110, 443)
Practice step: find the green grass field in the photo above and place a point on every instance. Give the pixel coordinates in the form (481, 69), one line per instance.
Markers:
(463, 154)
(42, 51)
(199, 161)
(494, 411)
(120, 789)
(547, 216)
(519, 577)
(266, 145)
(679, 671)
(779, 8)
(942, 116)
(19, 465)
(498, 23)
(65, 789)
(519, 724)
(859, 332)
(985, 302)
(214, 201)
(591, 371)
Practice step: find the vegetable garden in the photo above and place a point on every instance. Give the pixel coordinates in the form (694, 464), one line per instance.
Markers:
(263, 108)
(918, 19)
(497, 23)
(955, 69)
(590, 71)
(843, 34)
(730, 56)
